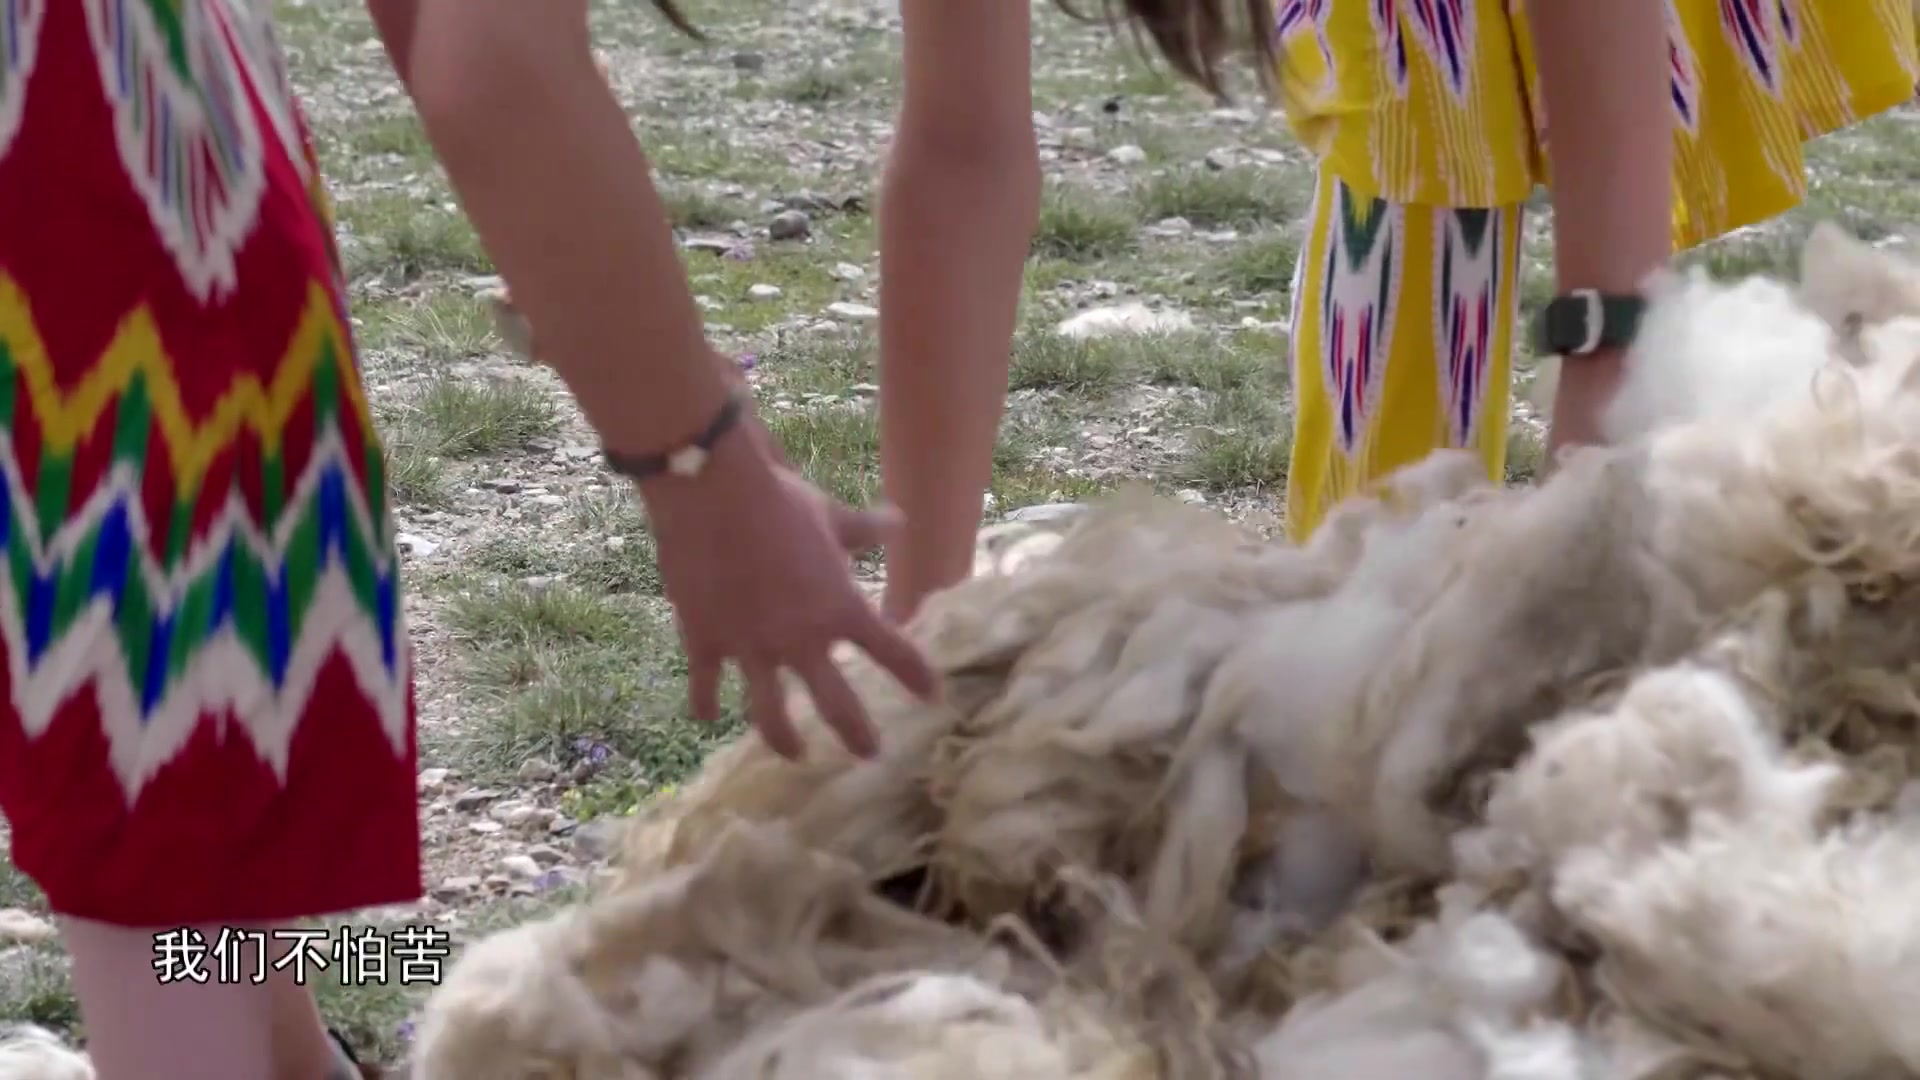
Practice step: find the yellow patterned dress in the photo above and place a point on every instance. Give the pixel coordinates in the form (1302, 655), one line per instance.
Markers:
(1423, 116)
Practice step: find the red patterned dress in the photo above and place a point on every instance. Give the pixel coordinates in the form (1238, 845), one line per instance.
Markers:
(206, 711)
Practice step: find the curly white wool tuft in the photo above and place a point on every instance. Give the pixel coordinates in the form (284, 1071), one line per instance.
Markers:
(1608, 779)
(29, 1052)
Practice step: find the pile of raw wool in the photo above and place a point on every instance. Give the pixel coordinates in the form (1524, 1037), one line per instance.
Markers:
(1606, 778)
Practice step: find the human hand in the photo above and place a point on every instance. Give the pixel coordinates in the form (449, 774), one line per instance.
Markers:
(755, 562)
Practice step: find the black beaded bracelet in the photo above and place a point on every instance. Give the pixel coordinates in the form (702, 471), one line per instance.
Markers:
(687, 461)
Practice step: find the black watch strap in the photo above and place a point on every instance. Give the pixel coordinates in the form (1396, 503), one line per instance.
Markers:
(1585, 321)
(688, 460)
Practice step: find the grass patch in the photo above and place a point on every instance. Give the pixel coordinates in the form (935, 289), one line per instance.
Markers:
(836, 446)
(1537, 290)
(802, 274)
(1243, 440)
(1239, 440)
(17, 890)
(462, 418)
(679, 154)
(1745, 254)
(1526, 456)
(35, 989)
(620, 794)
(615, 563)
(617, 566)
(511, 556)
(491, 616)
(415, 475)
(1262, 263)
(819, 363)
(1043, 359)
(452, 419)
(443, 328)
(839, 80)
(398, 135)
(818, 84)
(1212, 198)
(569, 674)
(403, 239)
(694, 207)
(1018, 486)
(1885, 149)
(620, 705)
(1082, 226)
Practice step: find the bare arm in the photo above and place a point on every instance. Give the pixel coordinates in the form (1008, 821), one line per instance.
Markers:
(1604, 75)
(958, 208)
(550, 174)
(752, 559)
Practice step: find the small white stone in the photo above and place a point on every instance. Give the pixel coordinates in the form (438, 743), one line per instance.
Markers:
(521, 866)
(1126, 155)
(24, 927)
(511, 813)
(764, 292)
(857, 312)
(1131, 318)
(455, 889)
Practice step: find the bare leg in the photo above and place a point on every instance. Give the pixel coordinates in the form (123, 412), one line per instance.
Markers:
(219, 1029)
(301, 1047)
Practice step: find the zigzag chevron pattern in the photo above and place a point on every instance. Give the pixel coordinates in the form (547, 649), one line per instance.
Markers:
(92, 607)
(136, 354)
(236, 617)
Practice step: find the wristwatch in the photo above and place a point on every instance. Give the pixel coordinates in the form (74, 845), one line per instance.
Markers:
(1585, 321)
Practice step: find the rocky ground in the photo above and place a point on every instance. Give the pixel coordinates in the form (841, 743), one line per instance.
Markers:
(551, 690)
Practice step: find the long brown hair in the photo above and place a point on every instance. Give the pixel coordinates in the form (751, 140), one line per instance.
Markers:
(1194, 36)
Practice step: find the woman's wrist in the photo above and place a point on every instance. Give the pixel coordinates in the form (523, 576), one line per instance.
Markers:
(647, 406)
(736, 466)
(733, 446)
